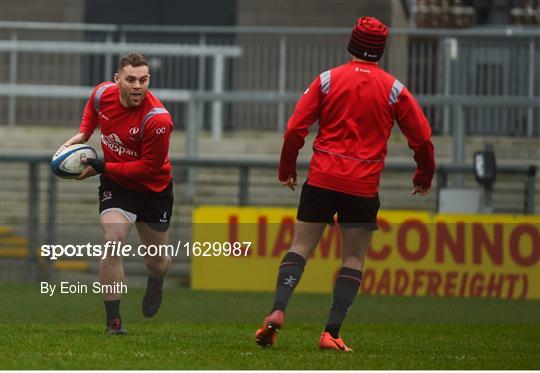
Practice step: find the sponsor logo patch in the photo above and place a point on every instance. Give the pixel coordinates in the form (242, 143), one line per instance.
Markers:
(113, 142)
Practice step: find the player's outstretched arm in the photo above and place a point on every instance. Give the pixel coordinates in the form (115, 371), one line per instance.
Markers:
(416, 128)
(79, 138)
(290, 182)
(87, 126)
(419, 189)
(305, 114)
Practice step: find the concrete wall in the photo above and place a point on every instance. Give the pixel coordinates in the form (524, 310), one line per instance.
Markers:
(324, 13)
(43, 10)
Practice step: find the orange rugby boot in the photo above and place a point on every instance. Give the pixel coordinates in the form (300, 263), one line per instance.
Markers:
(267, 333)
(327, 342)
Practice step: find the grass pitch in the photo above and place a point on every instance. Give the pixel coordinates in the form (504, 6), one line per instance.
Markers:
(215, 330)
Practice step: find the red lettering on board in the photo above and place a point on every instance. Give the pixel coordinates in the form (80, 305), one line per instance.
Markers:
(450, 284)
(383, 253)
(423, 245)
(477, 285)
(417, 281)
(233, 229)
(492, 247)
(262, 233)
(525, 286)
(332, 235)
(384, 283)
(464, 282)
(455, 247)
(512, 279)
(433, 283)
(515, 250)
(494, 286)
(402, 282)
(368, 281)
(284, 236)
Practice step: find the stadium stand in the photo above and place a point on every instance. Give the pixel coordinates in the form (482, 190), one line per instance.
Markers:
(468, 13)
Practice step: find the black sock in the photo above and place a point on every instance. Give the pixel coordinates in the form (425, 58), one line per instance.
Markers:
(345, 289)
(112, 308)
(290, 271)
(154, 281)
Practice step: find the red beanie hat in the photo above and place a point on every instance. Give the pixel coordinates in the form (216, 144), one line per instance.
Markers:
(368, 39)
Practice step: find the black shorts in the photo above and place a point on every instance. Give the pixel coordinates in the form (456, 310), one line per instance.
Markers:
(155, 209)
(319, 205)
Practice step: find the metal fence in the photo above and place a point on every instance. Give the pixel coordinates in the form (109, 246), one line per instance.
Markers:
(38, 208)
(45, 208)
(484, 63)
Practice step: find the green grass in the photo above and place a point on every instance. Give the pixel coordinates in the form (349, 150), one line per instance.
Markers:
(214, 330)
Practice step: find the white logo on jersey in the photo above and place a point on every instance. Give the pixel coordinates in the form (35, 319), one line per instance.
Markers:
(114, 138)
(113, 142)
(101, 115)
(356, 69)
(306, 91)
(164, 218)
(161, 130)
(134, 130)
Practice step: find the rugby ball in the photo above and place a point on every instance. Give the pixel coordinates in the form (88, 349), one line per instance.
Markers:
(66, 163)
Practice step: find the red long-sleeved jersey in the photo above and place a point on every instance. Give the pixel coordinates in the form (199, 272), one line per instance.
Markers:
(356, 105)
(135, 141)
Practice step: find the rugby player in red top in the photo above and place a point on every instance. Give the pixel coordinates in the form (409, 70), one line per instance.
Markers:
(135, 182)
(356, 105)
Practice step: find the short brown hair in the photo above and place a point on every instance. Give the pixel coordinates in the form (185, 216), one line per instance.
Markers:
(133, 59)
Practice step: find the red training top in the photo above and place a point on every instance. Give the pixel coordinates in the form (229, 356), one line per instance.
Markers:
(355, 104)
(135, 141)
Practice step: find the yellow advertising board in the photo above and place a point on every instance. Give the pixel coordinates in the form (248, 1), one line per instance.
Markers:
(412, 253)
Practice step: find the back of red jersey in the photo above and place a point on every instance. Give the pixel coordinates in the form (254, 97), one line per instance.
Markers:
(355, 105)
(135, 141)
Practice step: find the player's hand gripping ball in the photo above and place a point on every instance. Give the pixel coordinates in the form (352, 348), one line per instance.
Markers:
(66, 162)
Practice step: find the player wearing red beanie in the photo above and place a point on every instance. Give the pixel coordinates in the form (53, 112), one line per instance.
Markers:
(355, 105)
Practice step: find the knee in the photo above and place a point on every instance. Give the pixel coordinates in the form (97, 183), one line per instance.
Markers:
(113, 235)
(352, 261)
(158, 265)
(112, 261)
(301, 248)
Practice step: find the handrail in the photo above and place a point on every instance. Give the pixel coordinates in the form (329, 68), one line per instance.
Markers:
(474, 31)
(118, 48)
(504, 32)
(218, 53)
(271, 163)
(180, 95)
(244, 166)
(60, 26)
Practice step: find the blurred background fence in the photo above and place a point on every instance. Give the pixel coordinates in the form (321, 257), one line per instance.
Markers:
(497, 62)
(48, 209)
(39, 208)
